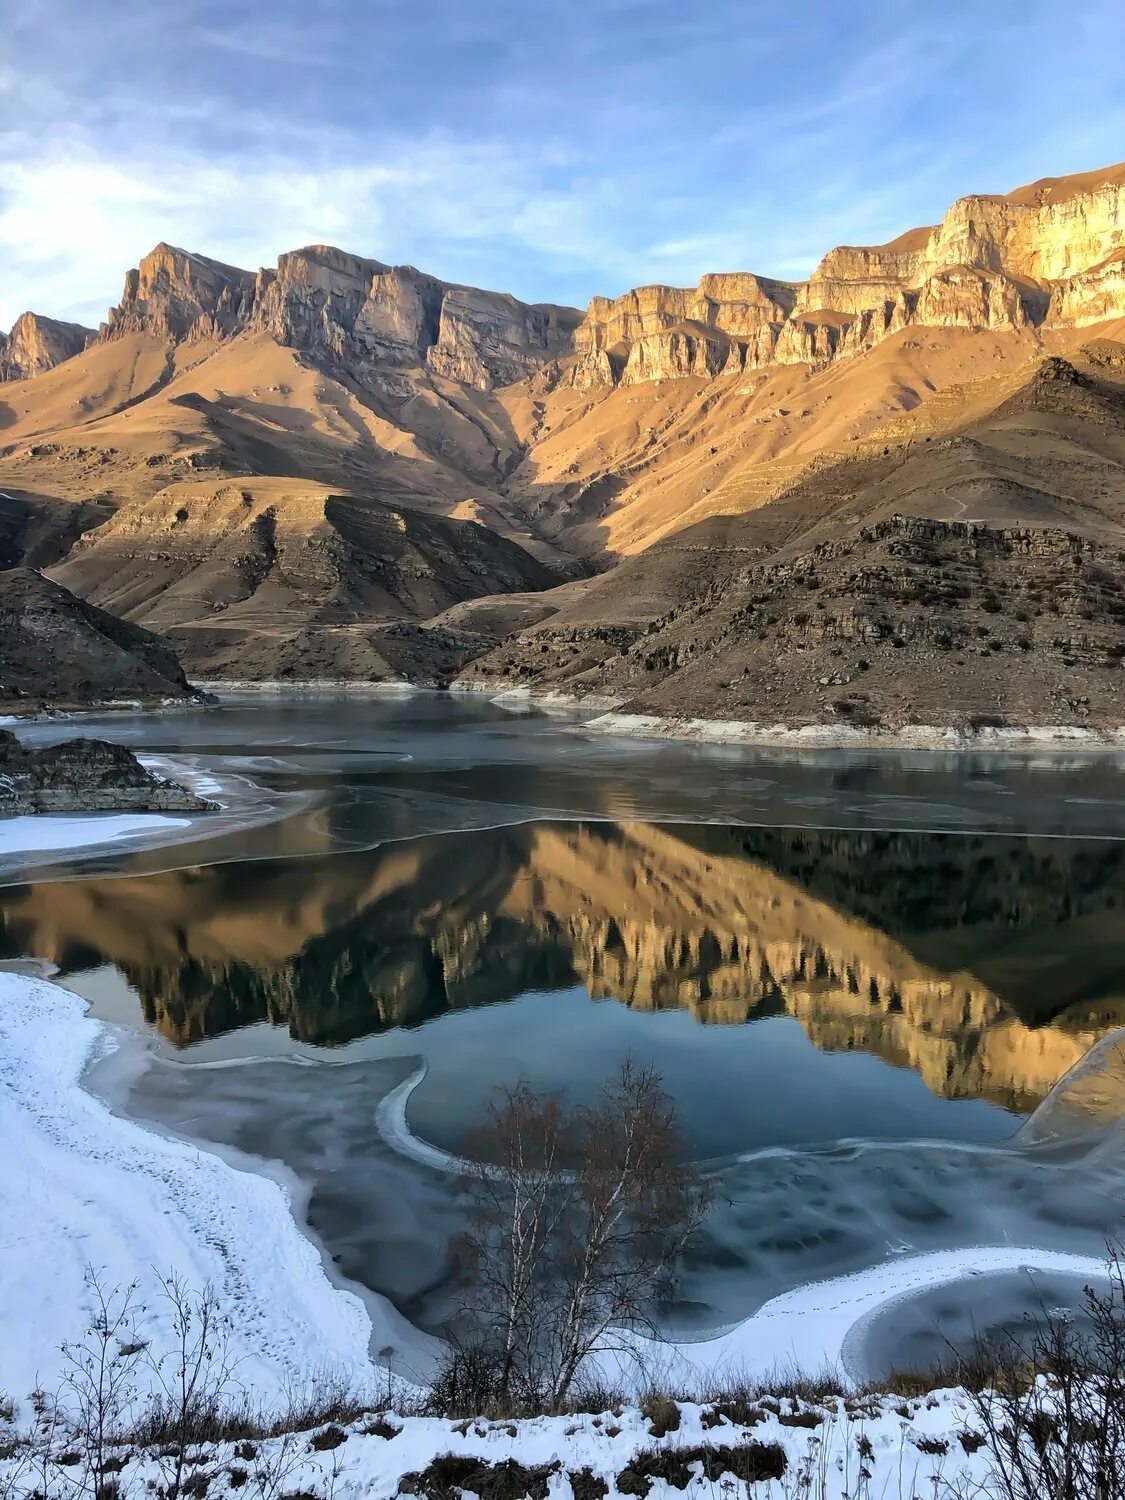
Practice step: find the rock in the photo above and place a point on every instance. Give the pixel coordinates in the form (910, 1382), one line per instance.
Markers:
(1051, 253)
(180, 296)
(489, 338)
(345, 309)
(85, 775)
(36, 344)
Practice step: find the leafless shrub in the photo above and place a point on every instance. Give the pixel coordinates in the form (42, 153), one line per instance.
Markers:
(99, 1393)
(193, 1398)
(326, 1401)
(1053, 1415)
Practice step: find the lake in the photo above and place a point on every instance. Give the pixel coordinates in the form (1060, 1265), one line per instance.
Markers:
(859, 973)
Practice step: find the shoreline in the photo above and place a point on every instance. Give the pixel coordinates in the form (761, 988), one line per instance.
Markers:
(42, 839)
(607, 718)
(602, 714)
(844, 737)
(94, 1191)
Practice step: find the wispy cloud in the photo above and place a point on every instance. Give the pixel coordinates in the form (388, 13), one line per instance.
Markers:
(551, 151)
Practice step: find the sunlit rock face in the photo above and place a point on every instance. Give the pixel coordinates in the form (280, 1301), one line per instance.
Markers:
(36, 344)
(490, 338)
(181, 297)
(346, 309)
(1052, 253)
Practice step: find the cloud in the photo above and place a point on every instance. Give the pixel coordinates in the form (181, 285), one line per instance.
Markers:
(555, 152)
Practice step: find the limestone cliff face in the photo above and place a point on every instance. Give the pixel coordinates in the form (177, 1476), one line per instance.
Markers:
(489, 338)
(181, 297)
(345, 309)
(313, 298)
(659, 332)
(1053, 252)
(36, 344)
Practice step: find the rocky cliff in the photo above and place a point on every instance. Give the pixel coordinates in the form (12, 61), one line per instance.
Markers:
(345, 309)
(178, 296)
(1051, 253)
(36, 344)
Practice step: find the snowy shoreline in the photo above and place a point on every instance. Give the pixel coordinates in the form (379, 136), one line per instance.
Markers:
(98, 1190)
(813, 1325)
(81, 1187)
(84, 1189)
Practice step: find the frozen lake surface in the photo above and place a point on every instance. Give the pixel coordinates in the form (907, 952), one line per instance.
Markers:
(859, 973)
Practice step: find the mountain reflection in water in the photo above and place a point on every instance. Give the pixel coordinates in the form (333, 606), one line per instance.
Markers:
(987, 965)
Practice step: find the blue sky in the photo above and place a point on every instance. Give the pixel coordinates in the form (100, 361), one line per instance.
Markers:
(552, 150)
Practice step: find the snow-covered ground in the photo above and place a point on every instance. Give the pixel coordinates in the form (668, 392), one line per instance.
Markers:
(907, 1451)
(82, 1189)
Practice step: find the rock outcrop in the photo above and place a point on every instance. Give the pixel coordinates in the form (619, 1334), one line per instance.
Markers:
(1053, 252)
(85, 775)
(178, 296)
(488, 338)
(36, 344)
(912, 621)
(56, 649)
(347, 310)
(1049, 254)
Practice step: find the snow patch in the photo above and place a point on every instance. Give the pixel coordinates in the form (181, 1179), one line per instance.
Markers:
(81, 1189)
(35, 833)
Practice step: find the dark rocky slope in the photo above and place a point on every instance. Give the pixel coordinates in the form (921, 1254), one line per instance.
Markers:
(57, 650)
(964, 579)
(913, 621)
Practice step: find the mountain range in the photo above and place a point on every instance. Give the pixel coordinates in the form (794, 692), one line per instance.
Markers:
(894, 491)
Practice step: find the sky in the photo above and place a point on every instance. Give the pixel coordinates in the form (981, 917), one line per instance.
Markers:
(554, 150)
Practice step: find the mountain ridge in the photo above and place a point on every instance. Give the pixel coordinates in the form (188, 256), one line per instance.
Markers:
(188, 467)
(1053, 250)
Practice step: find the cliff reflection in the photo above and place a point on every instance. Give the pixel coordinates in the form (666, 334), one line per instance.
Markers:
(987, 965)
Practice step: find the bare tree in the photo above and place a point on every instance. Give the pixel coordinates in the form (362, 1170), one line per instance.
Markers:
(638, 1204)
(577, 1223)
(519, 1177)
(1053, 1414)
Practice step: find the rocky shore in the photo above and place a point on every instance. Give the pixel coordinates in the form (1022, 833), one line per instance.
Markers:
(85, 775)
